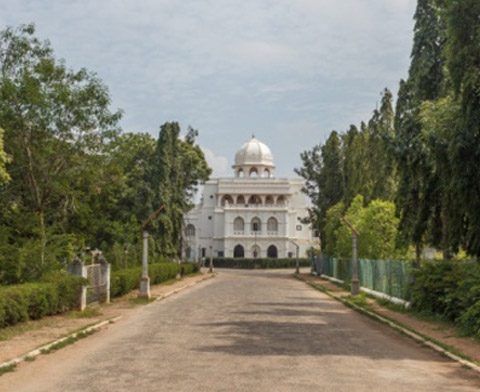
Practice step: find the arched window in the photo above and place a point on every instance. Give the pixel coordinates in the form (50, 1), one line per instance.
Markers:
(227, 200)
(269, 200)
(281, 201)
(272, 252)
(238, 225)
(238, 252)
(253, 172)
(240, 200)
(256, 225)
(272, 225)
(266, 173)
(256, 252)
(240, 173)
(254, 200)
(190, 230)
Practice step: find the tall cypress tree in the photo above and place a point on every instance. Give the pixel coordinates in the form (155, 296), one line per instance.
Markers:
(463, 60)
(418, 184)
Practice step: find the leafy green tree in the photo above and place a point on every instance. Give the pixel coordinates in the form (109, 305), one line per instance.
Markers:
(380, 170)
(53, 117)
(377, 226)
(323, 172)
(463, 59)
(416, 200)
(355, 163)
(180, 168)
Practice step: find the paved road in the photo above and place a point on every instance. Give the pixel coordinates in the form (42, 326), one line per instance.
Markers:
(244, 331)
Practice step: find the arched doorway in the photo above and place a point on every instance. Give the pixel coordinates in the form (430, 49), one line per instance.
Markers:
(272, 252)
(239, 252)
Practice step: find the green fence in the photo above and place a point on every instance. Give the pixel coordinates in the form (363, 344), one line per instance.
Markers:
(391, 277)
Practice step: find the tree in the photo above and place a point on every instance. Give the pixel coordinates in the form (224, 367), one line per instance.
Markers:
(380, 170)
(463, 59)
(323, 172)
(53, 117)
(417, 202)
(377, 226)
(180, 167)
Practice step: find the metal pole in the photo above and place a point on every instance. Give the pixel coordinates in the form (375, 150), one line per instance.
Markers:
(145, 280)
(297, 265)
(355, 281)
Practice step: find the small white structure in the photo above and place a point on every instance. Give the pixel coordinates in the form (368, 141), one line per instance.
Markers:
(252, 215)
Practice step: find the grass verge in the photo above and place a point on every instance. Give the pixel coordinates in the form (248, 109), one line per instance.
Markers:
(68, 341)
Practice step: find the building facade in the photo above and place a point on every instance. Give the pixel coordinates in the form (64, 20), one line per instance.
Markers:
(251, 215)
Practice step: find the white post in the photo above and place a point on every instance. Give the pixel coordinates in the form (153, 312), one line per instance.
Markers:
(107, 297)
(83, 295)
(145, 280)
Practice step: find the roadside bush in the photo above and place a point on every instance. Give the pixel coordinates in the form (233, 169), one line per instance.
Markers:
(31, 301)
(124, 281)
(450, 289)
(259, 263)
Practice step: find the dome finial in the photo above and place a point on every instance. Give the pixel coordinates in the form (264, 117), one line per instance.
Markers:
(253, 135)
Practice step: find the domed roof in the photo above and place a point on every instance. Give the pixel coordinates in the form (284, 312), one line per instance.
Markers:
(254, 152)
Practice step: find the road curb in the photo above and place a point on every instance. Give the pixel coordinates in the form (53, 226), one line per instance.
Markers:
(168, 294)
(394, 325)
(34, 353)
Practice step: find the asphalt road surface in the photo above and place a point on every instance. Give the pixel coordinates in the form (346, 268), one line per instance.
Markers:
(244, 331)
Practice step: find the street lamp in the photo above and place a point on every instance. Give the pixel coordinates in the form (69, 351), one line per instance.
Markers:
(355, 281)
(145, 280)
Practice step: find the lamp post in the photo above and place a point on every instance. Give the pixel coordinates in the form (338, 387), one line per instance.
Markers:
(297, 251)
(210, 267)
(355, 290)
(145, 280)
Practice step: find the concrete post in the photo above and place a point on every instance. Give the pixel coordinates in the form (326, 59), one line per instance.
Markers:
(145, 280)
(210, 267)
(83, 295)
(107, 294)
(355, 280)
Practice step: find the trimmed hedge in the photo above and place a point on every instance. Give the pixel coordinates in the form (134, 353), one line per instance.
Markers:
(258, 263)
(450, 289)
(58, 292)
(30, 301)
(124, 281)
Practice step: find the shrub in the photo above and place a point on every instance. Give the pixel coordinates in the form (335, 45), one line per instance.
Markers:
(31, 301)
(450, 289)
(265, 263)
(124, 281)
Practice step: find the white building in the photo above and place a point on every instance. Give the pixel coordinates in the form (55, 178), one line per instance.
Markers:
(252, 215)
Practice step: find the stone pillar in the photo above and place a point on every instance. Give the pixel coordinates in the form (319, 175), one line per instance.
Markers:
(145, 280)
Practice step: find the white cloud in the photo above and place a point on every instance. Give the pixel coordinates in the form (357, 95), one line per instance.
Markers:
(218, 164)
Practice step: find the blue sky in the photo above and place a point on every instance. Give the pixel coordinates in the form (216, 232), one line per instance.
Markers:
(288, 71)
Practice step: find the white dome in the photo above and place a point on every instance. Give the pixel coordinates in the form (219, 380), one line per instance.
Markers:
(254, 152)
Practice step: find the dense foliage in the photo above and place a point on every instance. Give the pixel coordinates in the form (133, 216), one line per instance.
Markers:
(70, 180)
(376, 224)
(264, 263)
(449, 289)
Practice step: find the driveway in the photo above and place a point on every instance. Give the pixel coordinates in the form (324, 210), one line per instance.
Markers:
(244, 331)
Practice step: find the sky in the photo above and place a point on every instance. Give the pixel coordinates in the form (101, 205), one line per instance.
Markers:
(287, 71)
